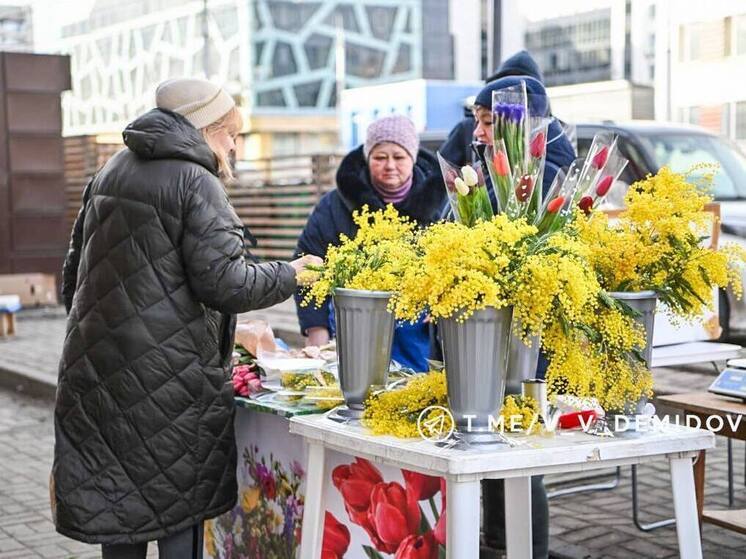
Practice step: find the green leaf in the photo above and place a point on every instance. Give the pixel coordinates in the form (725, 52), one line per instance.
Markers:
(424, 524)
(372, 553)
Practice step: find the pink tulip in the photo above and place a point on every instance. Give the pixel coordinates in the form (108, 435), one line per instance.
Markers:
(604, 185)
(537, 145)
(599, 160)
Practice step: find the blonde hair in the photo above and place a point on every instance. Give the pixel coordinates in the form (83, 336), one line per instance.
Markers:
(232, 123)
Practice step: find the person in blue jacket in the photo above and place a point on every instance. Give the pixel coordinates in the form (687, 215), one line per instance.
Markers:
(390, 168)
(457, 147)
(560, 153)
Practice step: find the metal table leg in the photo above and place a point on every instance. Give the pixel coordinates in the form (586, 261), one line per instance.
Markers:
(636, 509)
(730, 473)
(605, 486)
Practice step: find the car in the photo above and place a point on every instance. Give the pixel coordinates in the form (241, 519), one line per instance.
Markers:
(651, 145)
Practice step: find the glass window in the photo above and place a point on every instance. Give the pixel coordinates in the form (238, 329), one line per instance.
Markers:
(741, 120)
(739, 34)
(681, 152)
(307, 94)
(283, 61)
(381, 19)
(317, 50)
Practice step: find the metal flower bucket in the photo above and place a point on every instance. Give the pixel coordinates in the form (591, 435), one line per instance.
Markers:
(522, 360)
(475, 353)
(644, 302)
(365, 332)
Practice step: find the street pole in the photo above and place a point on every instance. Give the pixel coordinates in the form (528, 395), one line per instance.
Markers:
(206, 40)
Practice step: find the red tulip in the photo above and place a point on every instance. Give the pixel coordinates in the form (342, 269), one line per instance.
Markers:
(555, 205)
(418, 547)
(604, 185)
(356, 482)
(586, 204)
(394, 514)
(502, 165)
(336, 538)
(440, 527)
(599, 160)
(537, 145)
(422, 487)
(525, 188)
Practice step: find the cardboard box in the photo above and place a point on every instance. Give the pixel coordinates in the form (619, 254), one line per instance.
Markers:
(33, 289)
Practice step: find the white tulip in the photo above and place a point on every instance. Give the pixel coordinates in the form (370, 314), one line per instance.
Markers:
(470, 175)
(461, 187)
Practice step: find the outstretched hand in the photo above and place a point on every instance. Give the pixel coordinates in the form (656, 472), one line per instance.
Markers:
(307, 268)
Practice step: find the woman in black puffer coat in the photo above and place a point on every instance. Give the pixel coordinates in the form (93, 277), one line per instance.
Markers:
(153, 279)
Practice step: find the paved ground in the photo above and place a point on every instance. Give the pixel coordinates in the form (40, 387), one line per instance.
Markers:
(590, 525)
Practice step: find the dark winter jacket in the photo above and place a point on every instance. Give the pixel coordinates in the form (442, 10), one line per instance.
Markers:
(332, 216)
(153, 279)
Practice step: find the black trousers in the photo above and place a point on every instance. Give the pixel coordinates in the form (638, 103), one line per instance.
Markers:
(493, 511)
(182, 545)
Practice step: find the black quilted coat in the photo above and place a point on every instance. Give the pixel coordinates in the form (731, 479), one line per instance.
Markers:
(153, 279)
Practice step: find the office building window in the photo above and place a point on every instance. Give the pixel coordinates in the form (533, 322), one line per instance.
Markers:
(741, 120)
(739, 35)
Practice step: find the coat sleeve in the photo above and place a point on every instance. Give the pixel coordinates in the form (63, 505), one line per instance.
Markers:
(213, 251)
(314, 240)
(72, 258)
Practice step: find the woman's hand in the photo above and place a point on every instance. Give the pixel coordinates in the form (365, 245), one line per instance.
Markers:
(303, 274)
(317, 336)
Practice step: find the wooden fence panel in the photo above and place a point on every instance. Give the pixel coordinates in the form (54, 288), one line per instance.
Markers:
(273, 197)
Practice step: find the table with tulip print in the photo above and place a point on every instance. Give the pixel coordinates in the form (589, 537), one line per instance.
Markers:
(463, 469)
(267, 521)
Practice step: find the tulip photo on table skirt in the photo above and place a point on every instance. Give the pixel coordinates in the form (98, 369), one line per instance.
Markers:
(400, 520)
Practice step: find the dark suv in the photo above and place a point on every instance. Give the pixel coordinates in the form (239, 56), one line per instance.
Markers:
(650, 145)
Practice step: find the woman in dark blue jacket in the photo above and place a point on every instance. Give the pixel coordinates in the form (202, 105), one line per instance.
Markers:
(388, 168)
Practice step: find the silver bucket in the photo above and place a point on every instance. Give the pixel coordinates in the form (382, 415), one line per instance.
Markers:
(522, 360)
(644, 302)
(365, 332)
(475, 352)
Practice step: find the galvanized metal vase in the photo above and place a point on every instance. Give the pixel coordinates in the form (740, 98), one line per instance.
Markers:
(644, 302)
(522, 360)
(475, 352)
(365, 332)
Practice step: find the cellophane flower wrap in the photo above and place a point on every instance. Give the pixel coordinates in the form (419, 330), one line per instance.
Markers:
(467, 192)
(660, 243)
(374, 259)
(585, 185)
(525, 196)
(510, 123)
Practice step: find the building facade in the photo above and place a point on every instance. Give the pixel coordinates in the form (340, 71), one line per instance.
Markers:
(284, 60)
(16, 28)
(702, 57)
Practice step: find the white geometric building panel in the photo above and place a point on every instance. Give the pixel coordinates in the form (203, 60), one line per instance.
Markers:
(296, 45)
(115, 68)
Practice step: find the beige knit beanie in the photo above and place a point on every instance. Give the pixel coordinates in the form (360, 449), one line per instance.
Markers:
(201, 102)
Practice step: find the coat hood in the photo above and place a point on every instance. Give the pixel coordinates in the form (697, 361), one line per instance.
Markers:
(424, 202)
(520, 64)
(162, 134)
(538, 100)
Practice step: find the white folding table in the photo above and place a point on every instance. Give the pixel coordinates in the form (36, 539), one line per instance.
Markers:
(464, 469)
